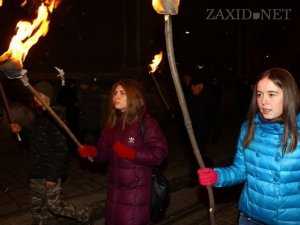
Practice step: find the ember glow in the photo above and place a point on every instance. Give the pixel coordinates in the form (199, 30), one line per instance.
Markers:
(155, 62)
(28, 33)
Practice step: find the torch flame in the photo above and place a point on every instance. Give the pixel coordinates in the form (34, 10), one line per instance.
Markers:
(157, 5)
(28, 33)
(1, 3)
(155, 62)
(167, 7)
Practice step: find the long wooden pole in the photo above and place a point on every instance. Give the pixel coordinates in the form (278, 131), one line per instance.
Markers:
(184, 109)
(7, 109)
(26, 83)
(160, 92)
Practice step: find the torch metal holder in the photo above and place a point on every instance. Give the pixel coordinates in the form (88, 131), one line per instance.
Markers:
(22, 76)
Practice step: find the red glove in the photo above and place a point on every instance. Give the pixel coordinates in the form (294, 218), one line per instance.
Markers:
(15, 128)
(207, 176)
(123, 151)
(86, 151)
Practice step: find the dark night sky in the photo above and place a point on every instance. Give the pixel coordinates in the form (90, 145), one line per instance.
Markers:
(86, 36)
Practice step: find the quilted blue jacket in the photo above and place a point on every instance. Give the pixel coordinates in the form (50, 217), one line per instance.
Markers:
(271, 191)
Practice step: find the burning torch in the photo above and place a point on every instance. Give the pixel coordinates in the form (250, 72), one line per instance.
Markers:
(28, 34)
(169, 8)
(153, 67)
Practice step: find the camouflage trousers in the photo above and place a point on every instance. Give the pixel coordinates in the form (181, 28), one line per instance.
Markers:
(47, 204)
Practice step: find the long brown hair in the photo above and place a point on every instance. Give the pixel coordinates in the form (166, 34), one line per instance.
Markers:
(135, 103)
(284, 80)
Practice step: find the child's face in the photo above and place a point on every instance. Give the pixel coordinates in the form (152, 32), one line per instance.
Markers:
(120, 98)
(269, 98)
(197, 89)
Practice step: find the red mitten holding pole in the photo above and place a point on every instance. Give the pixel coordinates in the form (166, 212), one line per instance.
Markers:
(124, 151)
(15, 128)
(87, 151)
(207, 176)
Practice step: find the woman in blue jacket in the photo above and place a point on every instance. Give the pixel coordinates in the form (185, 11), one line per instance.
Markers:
(267, 159)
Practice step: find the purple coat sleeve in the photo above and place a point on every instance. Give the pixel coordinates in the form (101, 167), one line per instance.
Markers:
(104, 145)
(154, 149)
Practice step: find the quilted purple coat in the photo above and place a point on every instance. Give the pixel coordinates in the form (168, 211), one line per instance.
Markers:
(129, 181)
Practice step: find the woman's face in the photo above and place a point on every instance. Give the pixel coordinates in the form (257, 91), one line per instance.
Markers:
(269, 98)
(120, 98)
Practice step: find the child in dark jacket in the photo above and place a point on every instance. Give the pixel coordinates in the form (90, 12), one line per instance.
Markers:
(49, 154)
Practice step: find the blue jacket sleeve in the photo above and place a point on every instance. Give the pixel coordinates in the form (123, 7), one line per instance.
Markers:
(236, 173)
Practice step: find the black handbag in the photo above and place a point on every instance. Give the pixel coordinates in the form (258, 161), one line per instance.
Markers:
(160, 189)
(160, 197)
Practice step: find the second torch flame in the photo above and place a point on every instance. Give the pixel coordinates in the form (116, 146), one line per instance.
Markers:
(155, 62)
(153, 67)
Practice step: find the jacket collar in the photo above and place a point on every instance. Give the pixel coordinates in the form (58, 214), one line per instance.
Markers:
(276, 127)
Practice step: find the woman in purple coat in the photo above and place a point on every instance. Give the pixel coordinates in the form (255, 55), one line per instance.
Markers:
(133, 144)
